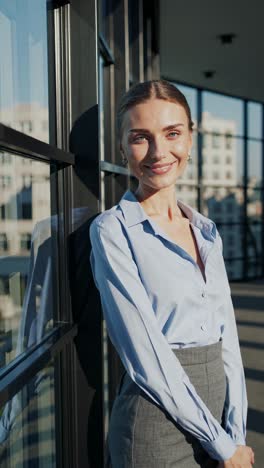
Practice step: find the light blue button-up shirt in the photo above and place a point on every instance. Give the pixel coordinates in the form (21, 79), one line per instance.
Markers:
(154, 298)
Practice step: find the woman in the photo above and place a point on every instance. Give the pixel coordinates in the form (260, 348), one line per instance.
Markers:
(159, 268)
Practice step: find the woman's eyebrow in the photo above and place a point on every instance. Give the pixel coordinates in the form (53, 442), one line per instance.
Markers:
(168, 127)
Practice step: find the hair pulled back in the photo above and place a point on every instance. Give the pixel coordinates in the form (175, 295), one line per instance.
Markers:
(152, 89)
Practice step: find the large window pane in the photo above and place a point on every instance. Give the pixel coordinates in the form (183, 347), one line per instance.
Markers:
(223, 204)
(191, 96)
(234, 269)
(254, 267)
(188, 194)
(26, 267)
(27, 425)
(190, 174)
(254, 163)
(222, 114)
(254, 240)
(222, 158)
(23, 67)
(254, 120)
(232, 238)
(254, 206)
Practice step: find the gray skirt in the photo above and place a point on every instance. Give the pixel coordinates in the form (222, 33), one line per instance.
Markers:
(143, 435)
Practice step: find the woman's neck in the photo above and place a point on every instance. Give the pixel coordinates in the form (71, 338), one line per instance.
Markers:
(160, 204)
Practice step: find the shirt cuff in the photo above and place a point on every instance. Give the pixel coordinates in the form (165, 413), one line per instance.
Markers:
(238, 439)
(222, 448)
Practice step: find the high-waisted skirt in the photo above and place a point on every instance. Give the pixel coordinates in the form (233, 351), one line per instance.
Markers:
(143, 435)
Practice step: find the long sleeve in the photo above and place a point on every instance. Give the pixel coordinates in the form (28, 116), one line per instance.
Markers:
(236, 398)
(236, 404)
(142, 347)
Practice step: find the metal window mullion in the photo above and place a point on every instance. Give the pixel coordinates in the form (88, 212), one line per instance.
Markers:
(245, 182)
(199, 150)
(63, 75)
(24, 145)
(28, 365)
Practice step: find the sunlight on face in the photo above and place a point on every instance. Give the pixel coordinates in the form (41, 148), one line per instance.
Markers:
(156, 140)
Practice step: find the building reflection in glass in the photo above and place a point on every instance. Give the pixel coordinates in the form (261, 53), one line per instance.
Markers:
(30, 439)
(26, 310)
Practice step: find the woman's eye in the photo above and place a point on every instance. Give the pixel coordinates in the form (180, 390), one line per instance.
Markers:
(139, 138)
(172, 134)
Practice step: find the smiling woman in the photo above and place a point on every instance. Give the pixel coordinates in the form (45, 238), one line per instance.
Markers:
(159, 268)
(157, 140)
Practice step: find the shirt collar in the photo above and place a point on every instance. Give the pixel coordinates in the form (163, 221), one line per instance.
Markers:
(134, 214)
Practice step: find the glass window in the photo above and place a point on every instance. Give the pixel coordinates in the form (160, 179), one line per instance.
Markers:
(223, 201)
(233, 162)
(25, 241)
(5, 181)
(254, 206)
(254, 268)
(255, 163)
(3, 242)
(234, 269)
(26, 302)
(254, 120)
(190, 174)
(23, 67)
(216, 140)
(222, 112)
(188, 194)
(254, 239)
(191, 96)
(228, 140)
(5, 158)
(27, 424)
(233, 233)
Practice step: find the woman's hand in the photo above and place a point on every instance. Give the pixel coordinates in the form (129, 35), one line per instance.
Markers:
(242, 458)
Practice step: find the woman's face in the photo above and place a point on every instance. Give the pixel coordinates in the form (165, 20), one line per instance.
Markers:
(156, 141)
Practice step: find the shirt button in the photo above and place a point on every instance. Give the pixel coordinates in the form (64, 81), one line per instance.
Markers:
(203, 293)
(203, 327)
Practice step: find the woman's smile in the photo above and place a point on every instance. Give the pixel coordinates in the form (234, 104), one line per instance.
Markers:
(160, 168)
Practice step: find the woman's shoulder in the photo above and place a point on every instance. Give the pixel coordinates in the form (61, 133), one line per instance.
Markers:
(108, 221)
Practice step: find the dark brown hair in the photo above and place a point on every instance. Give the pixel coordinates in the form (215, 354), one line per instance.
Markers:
(142, 92)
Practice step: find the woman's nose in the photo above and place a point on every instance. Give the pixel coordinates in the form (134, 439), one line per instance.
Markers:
(157, 150)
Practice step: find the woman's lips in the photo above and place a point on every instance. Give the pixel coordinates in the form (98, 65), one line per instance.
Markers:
(161, 169)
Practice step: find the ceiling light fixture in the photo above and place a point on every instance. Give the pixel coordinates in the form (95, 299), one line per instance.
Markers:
(227, 38)
(209, 73)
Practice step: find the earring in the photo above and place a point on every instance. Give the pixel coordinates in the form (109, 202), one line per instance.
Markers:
(124, 161)
(189, 159)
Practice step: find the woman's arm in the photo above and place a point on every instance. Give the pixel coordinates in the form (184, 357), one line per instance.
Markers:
(236, 404)
(143, 349)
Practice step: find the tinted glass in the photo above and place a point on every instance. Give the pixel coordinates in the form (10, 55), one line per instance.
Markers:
(254, 120)
(26, 266)
(190, 174)
(223, 114)
(255, 150)
(188, 194)
(191, 96)
(222, 160)
(223, 204)
(23, 67)
(234, 269)
(27, 425)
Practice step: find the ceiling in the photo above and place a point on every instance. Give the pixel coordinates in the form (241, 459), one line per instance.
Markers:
(190, 46)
